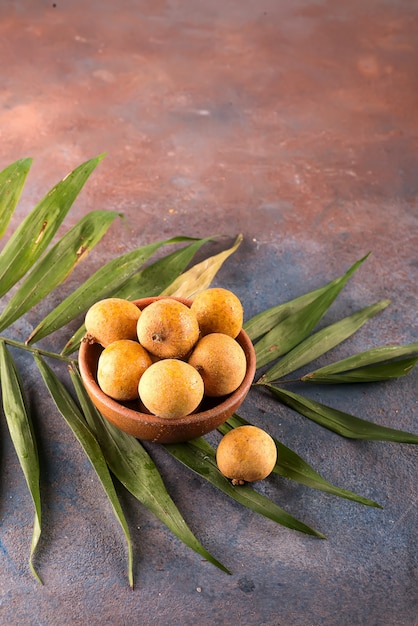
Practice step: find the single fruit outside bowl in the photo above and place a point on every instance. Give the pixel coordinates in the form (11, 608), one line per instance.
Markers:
(212, 413)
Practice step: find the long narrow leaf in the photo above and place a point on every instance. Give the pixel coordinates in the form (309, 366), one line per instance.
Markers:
(293, 329)
(134, 468)
(12, 180)
(339, 422)
(154, 279)
(200, 276)
(291, 465)
(57, 264)
(370, 374)
(199, 456)
(35, 232)
(71, 414)
(19, 422)
(148, 282)
(264, 321)
(322, 341)
(386, 355)
(101, 284)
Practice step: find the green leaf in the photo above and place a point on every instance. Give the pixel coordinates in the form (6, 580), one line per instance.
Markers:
(200, 276)
(322, 341)
(71, 414)
(370, 374)
(57, 264)
(135, 469)
(154, 279)
(264, 321)
(19, 422)
(199, 456)
(294, 328)
(35, 232)
(12, 180)
(358, 368)
(291, 465)
(100, 285)
(339, 422)
(148, 282)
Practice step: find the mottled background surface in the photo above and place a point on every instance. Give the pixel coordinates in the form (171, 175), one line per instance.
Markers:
(295, 123)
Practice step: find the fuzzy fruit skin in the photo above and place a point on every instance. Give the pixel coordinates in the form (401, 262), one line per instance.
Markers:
(120, 368)
(218, 310)
(221, 362)
(112, 319)
(171, 388)
(168, 329)
(246, 454)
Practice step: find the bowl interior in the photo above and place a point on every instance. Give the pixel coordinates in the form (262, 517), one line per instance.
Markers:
(128, 417)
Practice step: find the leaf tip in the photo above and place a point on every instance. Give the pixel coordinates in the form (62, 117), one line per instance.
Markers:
(35, 573)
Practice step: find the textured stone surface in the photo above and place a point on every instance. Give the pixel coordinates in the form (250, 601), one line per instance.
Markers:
(294, 123)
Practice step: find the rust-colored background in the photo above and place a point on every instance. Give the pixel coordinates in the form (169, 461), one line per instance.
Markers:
(294, 123)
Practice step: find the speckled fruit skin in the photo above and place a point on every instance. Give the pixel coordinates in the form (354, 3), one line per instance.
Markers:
(120, 368)
(246, 454)
(221, 362)
(171, 388)
(112, 319)
(168, 329)
(218, 310)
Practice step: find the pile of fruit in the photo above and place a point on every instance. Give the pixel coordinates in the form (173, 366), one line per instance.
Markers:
(169, 356)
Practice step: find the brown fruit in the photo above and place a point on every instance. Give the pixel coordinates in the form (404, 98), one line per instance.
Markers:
(111, 319)
(221, 362)
(171, 388)
(218, 310)
(120, 367)
(168, 329)
(246, 454)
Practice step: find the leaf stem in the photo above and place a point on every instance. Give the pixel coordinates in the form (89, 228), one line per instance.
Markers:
(262, 383)
(47, 353)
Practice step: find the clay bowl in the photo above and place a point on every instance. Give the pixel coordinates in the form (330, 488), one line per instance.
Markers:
(211, 413)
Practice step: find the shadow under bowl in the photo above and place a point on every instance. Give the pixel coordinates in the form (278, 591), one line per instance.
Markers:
(210, 414)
